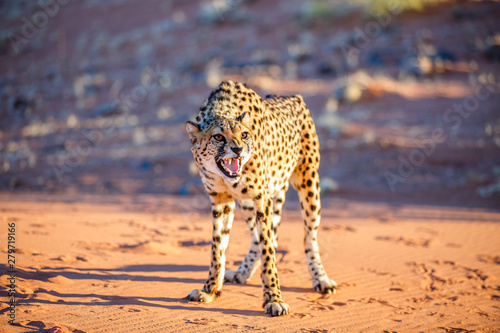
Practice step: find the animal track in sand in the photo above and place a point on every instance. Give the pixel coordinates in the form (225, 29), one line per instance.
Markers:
(399, 309)
(95, 224)
(36, 232)
(431, 280)
(408, 241)
(286, 270)
(38, 225)
(386, 220)
(163, 248)
(323, 303)
(420, 300)
(456, 274)
(135, 224)
(130, 309)
(301, 315)
(428, 231)
(202, 321)
(376, 271)
(191, 227)
(322, 307)
(472, 274)
(396, 286)
(70, 259)
(28, 252)
(456, 329)
(104, 285)
(195, 243)
(489, 259)
(339, 228)
(346, 284)
(435, 314)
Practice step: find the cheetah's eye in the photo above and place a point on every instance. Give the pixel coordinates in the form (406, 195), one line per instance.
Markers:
(244, 135)
(218, 137)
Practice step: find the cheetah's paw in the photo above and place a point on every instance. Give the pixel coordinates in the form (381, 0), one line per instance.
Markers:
(326, 286)
(234, 277)
(277, 309)
(201, 296)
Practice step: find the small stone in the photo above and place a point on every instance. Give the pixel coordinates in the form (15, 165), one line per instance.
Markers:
(72, 121)
(328, 185)
(489, 190)
(214, 73)
(20, 105)
(164, 112)
(332, 104)
(492, 52)
(140, 137)
(107, 110)
(327, 68)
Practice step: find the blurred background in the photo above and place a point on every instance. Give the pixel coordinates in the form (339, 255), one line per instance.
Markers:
(405, 94)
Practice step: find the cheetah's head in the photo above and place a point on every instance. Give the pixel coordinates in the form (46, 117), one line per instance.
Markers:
(223, 147)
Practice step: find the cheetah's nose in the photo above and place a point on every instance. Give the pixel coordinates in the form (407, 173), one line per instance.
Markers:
(237, 150)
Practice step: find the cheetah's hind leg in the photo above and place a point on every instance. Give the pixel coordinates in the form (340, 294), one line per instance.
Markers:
(306, 182)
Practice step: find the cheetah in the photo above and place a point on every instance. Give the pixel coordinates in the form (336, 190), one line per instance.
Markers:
(250, 149)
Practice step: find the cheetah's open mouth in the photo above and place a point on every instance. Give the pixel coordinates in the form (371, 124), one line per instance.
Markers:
(229, 166)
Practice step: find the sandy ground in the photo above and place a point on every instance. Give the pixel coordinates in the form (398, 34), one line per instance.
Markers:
(126, 263)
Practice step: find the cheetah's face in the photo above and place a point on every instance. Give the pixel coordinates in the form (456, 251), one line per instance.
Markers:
(222, 148)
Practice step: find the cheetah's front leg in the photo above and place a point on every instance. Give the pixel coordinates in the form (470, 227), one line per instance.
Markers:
(273, 303)
(252, 260)
(223, 214)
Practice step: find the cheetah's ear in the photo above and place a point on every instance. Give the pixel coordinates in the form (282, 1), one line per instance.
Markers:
(192, 130)
(240, 118)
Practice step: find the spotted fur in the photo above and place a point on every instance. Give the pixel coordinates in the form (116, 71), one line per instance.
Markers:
(275, 143)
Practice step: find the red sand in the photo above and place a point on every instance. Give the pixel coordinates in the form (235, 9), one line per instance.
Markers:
(125, 264)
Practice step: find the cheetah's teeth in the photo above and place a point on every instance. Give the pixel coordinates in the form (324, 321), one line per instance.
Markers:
(231, 165)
